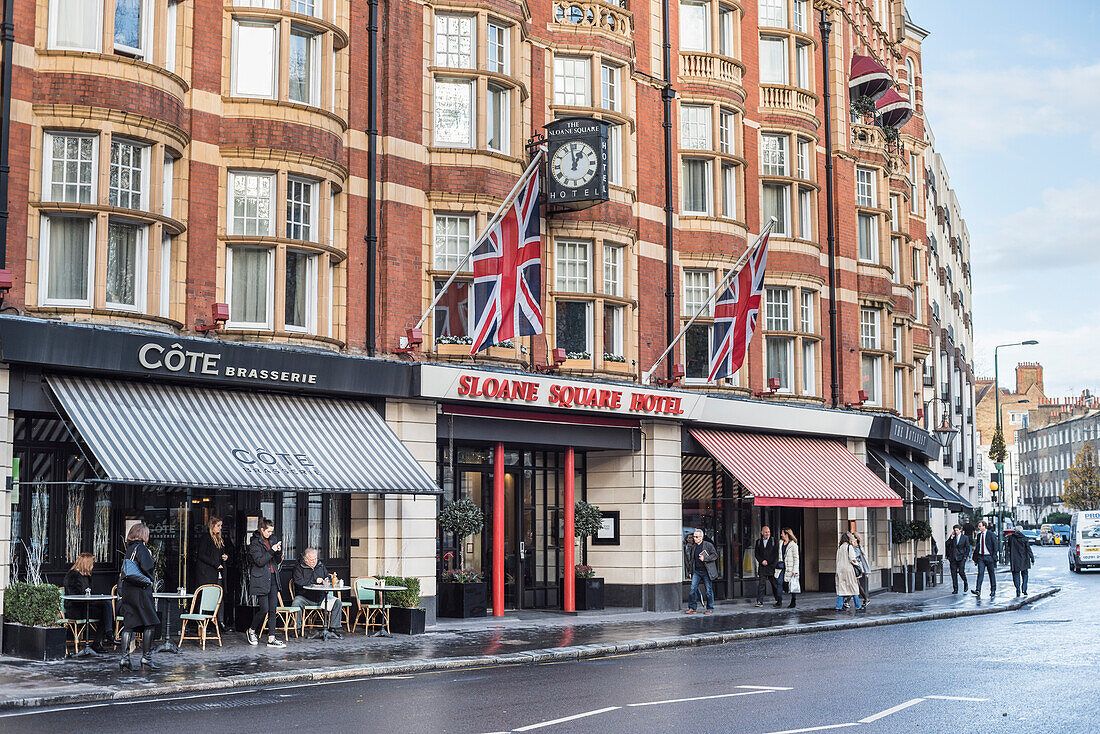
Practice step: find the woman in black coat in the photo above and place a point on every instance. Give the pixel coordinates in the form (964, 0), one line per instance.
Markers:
(212, 556)
(264, 558)
(78, 581)
(137, 608)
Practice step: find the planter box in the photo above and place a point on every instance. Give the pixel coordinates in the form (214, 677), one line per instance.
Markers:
(34, 643)
(904, 581)
(462, 600)
(588, 594)
(407, 621)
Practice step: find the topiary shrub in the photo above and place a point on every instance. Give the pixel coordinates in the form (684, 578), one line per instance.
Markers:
(463, 518)
(920, 530)
(35, 605)
(587, 519)
(902, 532)
(407, 599)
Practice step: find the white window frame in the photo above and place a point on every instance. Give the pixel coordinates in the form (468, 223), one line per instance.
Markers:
(310, 326)
(165, 274)
(497, 36)
(331, 331)
(774, 160)
(615, 154)
(870, 335)
(618, 345)
(570, 258)
(445, 259)
(695, 127)
(613, 269)
(444, 56)
(777, 309)
(270, 303)
(44, 266)
(782, 228)
(312, 206)
(231, 225)
(142, 168)
(611, 88)
(697, 284)
(689, 41)
(727, 36)
(865, 187)
(800, 20)
(141, 267)
(311, 8)
(872, 244)
(786, 384)
(47, 167)
(874, 395)
(805, 213)
(918, 303)
(313, 82)
(708, 184)
(503, 95)
(772, 13)
(168, 177)
(898, 341)
(809, 367)
(729, 191)
(51, 28)
(144, 51)
(249, 64)
(783, 74)
(802, 66)
(171, 24)
(471, 139)
(807, 324)
(727, 131)
(802, 158)
(566, 68)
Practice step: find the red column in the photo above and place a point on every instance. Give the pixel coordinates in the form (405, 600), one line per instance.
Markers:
(498, 530)
(570, 561)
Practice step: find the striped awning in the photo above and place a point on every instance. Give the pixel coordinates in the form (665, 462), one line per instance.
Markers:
(180, 435)
(795, 471)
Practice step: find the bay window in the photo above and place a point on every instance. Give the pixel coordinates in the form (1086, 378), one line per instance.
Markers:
(615, 154)
(67, 263)
(871, 378)
(777, 203)
(126, 266)
(165, 275)
(572, 85)
(452, 311)
(301, 292)
(773, 60)
(497, 131)
(804, 158)
(869, 337)
(250, 275)
(255, 71)
(497, 48)
(697, 341)
(613, 330)
(454, 113)
(802, 16)
(454, 41)
(132, 23)
(777, 309)
(868, 238)
(773, 13)
(613, 270)
(727, 33)
(251, 203)
(695, 133)
(696, 185)
(780, 356)
(865, 187)
(727, 135)
(452, 239)
(895, 259)
(695, 26)
(304, 70)
(126, 185)
(69, 170)
(571, 267)
(806, 314)
(809, 367)
(610, 90)
(573, 332)
(805, 213)
(774, 156)
(729, 191)
(301, 209)
(167, 178)
(802, 65)
(75, 25)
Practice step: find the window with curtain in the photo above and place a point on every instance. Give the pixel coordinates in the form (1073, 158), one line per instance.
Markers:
(301, 291)
(289, 525)
(255, 54)
(777, 203)
(802, 66)
(868, 238)
(314, 521)
(872, 378)
(68, 259)
(773, 60)
(101, 530)
(805, 213)
(337, 526)
(780, 355)
(774, 155)
(75, 24)
(809, 367)
(613, 329)
(572, 332)
(250, 286)
(696, 184)
(729, 191)
(694, 26)
(697, 348)
(125, 265)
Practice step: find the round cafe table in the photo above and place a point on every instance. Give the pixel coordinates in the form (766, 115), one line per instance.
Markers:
(382, 589)
(325, 633)
(86, 651)
(167, 596)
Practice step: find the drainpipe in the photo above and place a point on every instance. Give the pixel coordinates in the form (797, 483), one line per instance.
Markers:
(7, 40)
(667, 95)
(826, 27)
(372, 178)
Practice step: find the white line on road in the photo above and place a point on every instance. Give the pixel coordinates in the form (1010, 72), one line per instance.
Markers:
(956, 698)
(564, 719)
(815, 728)
(706, 698)
(769, 688)
(887, 712)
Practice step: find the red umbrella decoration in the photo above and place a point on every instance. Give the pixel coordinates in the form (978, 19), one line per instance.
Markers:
(893, 110)
(868, 78)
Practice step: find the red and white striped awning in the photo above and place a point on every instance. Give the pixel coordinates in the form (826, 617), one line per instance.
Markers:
(868, 77)
(794, 471)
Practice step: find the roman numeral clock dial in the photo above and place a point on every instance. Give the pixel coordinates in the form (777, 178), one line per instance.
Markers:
(574, 164)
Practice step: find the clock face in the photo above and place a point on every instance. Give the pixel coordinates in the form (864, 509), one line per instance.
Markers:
(574, 164)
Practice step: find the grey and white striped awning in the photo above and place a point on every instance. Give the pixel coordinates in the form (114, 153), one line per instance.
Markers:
(179, 435)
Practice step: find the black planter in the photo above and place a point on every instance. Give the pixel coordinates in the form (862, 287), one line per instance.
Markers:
(462, 600)
(35, 643)
(904, 580)
(587, 594)
(407, 621)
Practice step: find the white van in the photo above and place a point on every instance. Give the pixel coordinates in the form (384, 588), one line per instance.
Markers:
(1084, 541)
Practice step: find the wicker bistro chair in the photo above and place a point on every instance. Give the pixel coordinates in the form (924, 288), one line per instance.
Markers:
(77, 626)
(314, 616)
(204, 610)
(286, 620)
(373, 613)
(114, 612)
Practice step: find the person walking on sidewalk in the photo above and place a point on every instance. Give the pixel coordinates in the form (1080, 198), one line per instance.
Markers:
(137, 608)
(263, 581)
(985, 558)
(861, 578)
(957, 551)
(789, 571)
(767, 561)
(703, 569)
(847, 582)
(1020, 559)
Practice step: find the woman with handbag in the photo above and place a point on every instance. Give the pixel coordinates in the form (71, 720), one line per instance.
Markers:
(211, 562)
(847, 573)
(864, 593)
(789, 554)
(137, 608)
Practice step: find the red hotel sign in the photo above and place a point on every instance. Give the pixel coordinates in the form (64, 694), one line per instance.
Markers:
(553, 393)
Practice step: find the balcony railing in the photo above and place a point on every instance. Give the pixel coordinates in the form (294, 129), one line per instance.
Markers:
(790, 99)
(612, 17)
(929, 381)
(958, 404)
(712, 67)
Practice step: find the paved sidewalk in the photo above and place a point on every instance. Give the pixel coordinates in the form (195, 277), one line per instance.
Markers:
(521, 637)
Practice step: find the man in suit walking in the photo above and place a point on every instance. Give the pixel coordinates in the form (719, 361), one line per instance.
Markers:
(704, 570)
(985, 557)
(957, 551)
(767, 560)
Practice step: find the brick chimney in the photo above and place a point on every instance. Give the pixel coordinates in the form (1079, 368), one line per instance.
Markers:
(1027, 375)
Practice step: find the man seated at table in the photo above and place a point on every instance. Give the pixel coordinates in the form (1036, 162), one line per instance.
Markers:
(308, 571)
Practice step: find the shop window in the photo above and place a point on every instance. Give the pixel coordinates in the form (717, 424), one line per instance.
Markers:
(289, 525)
(572, 85)
(452, 239)
(75, 25)
(70, 168)
(129, 163)
(454, 113)
(250, 273)
(255, 51)
(101, 530)
(301, 292)
(454, 41)
(304, 67)
(337, 527)
(126, 246)
(251, 203)
(67, 244)
(301, 209)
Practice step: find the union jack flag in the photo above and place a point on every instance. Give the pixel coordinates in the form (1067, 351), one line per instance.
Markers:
(735, 314)
(508, 273)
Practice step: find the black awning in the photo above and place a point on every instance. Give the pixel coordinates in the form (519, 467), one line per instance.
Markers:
(904, 467)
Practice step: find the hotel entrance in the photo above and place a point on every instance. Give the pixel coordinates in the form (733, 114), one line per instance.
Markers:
(533, 526)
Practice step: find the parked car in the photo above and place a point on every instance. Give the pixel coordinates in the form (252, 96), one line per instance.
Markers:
(1062, 532)
(1032, 536)
(1084, 546)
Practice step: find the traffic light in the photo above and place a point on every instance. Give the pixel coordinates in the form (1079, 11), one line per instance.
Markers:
(993, 487)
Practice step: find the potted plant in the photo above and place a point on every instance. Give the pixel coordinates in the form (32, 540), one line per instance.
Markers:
(406, 614)
(901, 533)
(921, 530)
(587, 587)
(31, 621)
(462, 591)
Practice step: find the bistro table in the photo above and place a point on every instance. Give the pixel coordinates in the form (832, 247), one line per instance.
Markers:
(87, 651)
(166, 596)
(325, 633)
(382, 589)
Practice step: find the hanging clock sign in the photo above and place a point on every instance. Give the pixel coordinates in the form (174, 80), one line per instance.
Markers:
(577, 162)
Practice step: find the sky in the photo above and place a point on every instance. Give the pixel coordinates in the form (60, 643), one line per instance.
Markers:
(1012, 93)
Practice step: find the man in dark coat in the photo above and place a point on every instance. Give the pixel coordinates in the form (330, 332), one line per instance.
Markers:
(985, 557)
(1020, 559)
(766, 553)
(957, 550)
(701, 558)
(309, 571)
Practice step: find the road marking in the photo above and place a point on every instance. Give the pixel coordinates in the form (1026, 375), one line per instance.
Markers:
(769, 688)
(887, 712)
(956, 698)
(564, 719)
(705, 698)
(81, 707)
(815, 728)
(393, 677)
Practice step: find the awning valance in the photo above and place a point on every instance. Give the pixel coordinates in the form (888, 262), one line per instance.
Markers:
(904, 467)
(181, 435)
(796, 471)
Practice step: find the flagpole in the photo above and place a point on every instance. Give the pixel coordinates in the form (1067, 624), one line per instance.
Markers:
(489, 225)
(722, 284)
